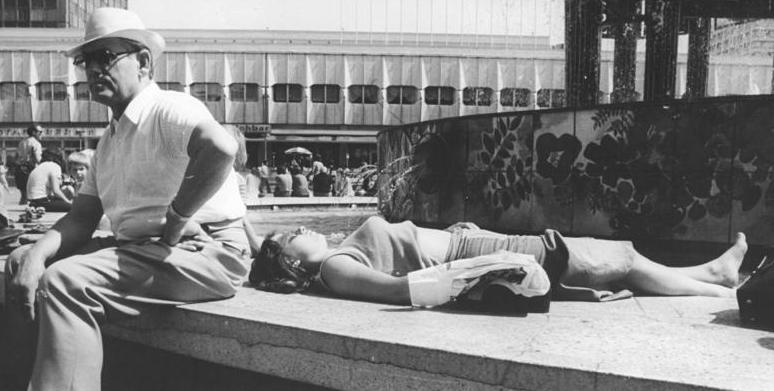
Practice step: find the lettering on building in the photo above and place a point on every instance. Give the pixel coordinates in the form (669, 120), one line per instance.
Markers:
(254, 129)
(55, 132)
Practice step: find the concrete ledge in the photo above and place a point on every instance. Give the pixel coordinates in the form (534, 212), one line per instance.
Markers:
(646, 343)
(678, 343)
(310, 202)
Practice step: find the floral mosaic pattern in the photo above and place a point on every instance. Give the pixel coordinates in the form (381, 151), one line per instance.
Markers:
(625, 175)
(507, 165)
(419, 183)
(689, 171)
(660, 181)
(753, 172)
(396, 194)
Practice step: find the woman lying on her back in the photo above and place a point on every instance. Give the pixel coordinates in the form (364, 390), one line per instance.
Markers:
(401, 263)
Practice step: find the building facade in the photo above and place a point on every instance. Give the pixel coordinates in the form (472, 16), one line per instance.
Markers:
(51, 13)
(746, 38)
(328, 92)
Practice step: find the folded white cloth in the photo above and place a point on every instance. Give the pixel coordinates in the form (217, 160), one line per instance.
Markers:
(440, 284)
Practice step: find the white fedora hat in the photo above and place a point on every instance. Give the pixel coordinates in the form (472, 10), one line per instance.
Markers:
(118, 23)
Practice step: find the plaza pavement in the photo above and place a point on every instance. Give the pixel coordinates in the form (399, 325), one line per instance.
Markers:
(644, 343)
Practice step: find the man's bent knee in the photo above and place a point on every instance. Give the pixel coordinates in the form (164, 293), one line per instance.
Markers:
(60, 277)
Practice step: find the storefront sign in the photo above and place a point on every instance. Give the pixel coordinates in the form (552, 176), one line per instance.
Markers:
(55, 132)
(254, 129)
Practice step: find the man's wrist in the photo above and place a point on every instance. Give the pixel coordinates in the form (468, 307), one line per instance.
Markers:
(172, 211)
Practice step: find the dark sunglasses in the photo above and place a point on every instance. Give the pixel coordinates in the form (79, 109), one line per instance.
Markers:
(102, 57)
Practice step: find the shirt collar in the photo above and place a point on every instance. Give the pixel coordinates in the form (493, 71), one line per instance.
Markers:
(142, 100)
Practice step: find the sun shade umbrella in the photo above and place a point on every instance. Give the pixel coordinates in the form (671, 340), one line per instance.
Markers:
(297, 151)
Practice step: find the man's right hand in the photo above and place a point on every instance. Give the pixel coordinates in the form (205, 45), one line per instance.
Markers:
(22, 288)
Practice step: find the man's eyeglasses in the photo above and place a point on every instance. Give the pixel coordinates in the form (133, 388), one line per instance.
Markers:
(104, 57)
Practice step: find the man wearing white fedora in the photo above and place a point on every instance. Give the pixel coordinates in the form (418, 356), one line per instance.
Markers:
(162, 173)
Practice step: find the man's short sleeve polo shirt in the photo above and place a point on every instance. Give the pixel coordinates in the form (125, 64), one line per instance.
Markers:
(140, 162)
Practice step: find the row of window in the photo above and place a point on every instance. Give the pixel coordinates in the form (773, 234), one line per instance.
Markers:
(28, 4)
(369, 94)
(320, 93)
(29, 13)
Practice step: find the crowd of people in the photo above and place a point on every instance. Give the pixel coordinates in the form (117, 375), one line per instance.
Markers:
(164, 175)
(45, 180)
(305, 177)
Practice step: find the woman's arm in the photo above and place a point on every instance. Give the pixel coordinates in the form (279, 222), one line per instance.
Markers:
(349, 278)
(252, 237)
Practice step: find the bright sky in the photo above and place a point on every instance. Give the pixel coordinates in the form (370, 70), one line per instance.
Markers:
(512, 17)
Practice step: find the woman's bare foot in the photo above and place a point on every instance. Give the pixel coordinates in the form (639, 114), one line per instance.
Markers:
(725, 268)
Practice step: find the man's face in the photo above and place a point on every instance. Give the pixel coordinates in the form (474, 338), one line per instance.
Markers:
(112, 70)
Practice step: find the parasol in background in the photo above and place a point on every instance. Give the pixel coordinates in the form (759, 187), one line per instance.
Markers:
(298, 151)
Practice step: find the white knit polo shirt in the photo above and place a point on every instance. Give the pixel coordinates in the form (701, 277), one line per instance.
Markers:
(140, 162)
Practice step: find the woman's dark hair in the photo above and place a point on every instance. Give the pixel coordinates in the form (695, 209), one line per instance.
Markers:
(272, 271)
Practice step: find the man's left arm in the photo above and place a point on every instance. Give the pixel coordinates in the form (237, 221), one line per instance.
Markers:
(211, 150)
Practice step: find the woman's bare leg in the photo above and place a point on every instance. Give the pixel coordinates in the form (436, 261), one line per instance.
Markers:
(713, 278)
(723, 270)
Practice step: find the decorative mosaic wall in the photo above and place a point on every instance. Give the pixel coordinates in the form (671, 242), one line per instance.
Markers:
(686, 171)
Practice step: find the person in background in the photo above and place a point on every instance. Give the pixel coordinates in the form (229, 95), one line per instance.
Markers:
(240, 163)
(262, 172)
(29, 154)
(163, 174)
(294, 164)
(283, 182)
(240, 160)
(78, 164)
(317, 165)
(343, 184)
(44, 187)
(4, 189)
(321, 183)
(300, 185)
(305, 161)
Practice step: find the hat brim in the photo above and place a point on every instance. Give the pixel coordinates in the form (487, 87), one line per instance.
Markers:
(150, 39)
